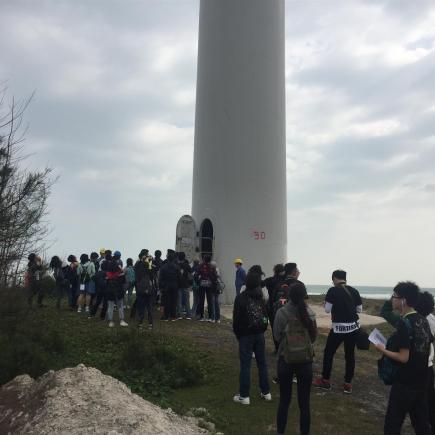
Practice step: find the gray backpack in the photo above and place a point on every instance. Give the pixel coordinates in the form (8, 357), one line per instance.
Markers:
(297, 347)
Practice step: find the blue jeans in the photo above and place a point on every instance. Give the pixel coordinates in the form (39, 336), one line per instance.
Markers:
(248, 344)
(183, 302)
(216, 307)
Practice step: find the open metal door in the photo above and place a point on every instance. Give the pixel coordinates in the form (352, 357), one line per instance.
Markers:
(186, 237)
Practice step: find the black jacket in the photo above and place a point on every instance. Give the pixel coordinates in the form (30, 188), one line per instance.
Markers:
(170, 275)
(185, 271)
(249, 313)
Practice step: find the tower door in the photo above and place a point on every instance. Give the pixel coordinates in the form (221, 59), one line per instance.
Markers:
(206, 238)
(186, 239)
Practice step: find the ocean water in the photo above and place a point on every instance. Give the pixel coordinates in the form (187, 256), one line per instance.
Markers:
(371, 292)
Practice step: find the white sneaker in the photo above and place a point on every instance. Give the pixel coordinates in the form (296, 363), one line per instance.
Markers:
(111, 324)
(243, 400)
(87, 308)
(122, 323)
(79, 309)
(267, 397)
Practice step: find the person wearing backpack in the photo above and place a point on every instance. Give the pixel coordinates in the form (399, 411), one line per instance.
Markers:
(59, 275)
(143, 274)
(344, 303)
(408, 394)
(86, 273)
(35, 271)
(185, 283)
(74, 281)
(115, 279)
(169, 281)
(295, 329)
(207, 282)
(249, 324)
(130, 279)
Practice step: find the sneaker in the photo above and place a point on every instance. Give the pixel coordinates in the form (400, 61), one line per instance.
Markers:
(210, 320)
(87, 309)
(188, 318)
(123, 323)
(202, 319)
(267, 397)
(218, 321)
(347, 388)
(243, 400)
(322, 383)
(111, 324)
(150, 326)
(79, 309)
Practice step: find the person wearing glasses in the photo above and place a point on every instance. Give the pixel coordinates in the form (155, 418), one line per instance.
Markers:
(408, 394)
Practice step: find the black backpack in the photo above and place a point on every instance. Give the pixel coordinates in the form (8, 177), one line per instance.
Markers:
(257, 319)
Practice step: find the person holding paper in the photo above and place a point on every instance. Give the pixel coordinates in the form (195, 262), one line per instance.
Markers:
(408, 394)
(425, 307)
(344, 303)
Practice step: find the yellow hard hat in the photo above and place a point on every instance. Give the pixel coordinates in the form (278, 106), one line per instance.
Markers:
(102, 251)
(238, 261)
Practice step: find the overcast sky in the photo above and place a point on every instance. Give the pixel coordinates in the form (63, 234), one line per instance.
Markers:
(114, 107)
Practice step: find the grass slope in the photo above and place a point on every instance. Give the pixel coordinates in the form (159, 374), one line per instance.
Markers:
(183, 365)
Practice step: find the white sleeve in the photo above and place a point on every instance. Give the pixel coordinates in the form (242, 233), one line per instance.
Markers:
(328, 307)
(359, 308)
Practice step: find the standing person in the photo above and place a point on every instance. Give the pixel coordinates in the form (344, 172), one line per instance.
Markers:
(240, 275)
(408, 394)
(295, 330)
(144, 300)
(344, 303)
(156, 266)
(117, 259)
(94, 259)
(114, 289)
(59, 274)
(207, 281)
(169, 283)
(86, 273)
(425, 307)
(249, 324)
(100, 287)
(185, 283)
(73, 279)
(195, 287)
(272, 283)
(34, 276)
(130, 279)
(217, 291)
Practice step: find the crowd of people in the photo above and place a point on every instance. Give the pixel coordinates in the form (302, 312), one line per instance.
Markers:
(101, 282)
(406, 364)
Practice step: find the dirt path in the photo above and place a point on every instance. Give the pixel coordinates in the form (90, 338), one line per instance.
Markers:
(323, 319)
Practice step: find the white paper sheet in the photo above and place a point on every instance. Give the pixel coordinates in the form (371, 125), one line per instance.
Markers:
(376, 337)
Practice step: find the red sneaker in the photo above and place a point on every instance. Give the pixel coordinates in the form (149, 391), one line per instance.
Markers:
(322, 383)
(347, 388)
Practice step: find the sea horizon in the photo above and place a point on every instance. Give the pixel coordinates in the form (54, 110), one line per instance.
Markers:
(366, 291)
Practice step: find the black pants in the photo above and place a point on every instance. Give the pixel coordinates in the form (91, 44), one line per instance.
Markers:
(431, 399)
(332, 344)
(144, 302)
(170, 301)
(406, 400)
(35, 288)
(101, 297)
(203, 293)
(304, 376)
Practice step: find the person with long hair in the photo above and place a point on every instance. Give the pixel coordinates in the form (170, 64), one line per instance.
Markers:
(249, 324)
(295, 355)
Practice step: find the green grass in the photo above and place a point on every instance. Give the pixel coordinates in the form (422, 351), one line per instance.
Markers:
(183, 365)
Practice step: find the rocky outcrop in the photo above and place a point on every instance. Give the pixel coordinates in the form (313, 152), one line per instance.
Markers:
(81, 400)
